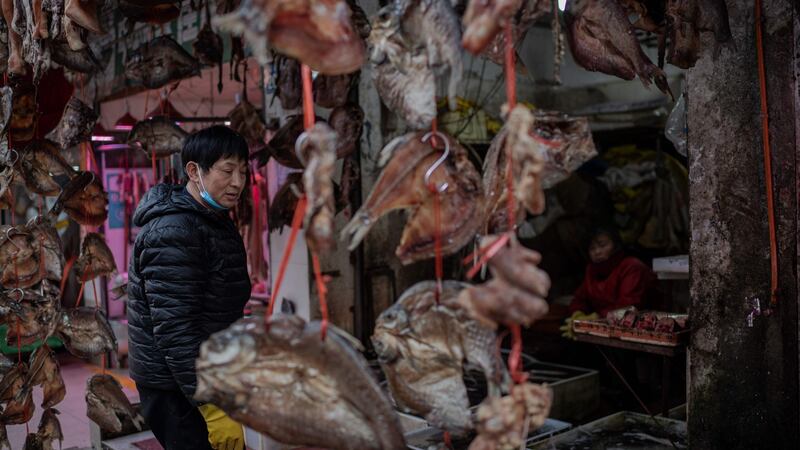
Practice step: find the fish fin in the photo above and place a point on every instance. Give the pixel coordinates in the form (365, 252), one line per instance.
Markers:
(388, 151)
(358, 227)
(355, 343)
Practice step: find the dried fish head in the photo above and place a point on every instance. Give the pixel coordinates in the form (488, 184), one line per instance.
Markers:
(88, 205)
(24, 112)
(19, 263)
(6, 101)
(159, 62)
(246, 121)
(47, 247)
(86, 332)
(18, 399)
(82, 61)
(248, 371)
(331, 91)
(108, 406)
(40, 159)
(281, 209)
(287, 82)
(76, 124)
(157, 135)
(50, 428)
(96, 259)
(45, 372)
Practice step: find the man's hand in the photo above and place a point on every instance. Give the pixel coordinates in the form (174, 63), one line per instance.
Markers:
(224, 433)
(567, 330)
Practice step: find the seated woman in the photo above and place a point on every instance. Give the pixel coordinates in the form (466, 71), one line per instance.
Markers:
(613, 280)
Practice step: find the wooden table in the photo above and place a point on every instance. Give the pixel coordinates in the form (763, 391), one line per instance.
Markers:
(666, 353)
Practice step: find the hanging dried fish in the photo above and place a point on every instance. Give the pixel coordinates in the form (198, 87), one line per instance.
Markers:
(331, 91)
(74, 34)
(348, 123)
(246, 121)
(157, 135)
(84, 200)
(18, 401)
(208, 46)
(6, 102)
(95, 260)
(45, 372)
(16, 63)
(109, 407)
(159, 62)
(86, 332)
(287, 82)
(316, 32)
(405, 183)
(401, 72)
(83, 61)
(282, 145)
(318, 147)
(50, 429)
(76, 124)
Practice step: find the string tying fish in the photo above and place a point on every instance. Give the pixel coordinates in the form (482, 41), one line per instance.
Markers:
(437, 191)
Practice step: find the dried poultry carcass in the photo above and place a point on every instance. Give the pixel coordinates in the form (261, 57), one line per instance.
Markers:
(86, 332)
(516, 294)
(348, 123)
(45, 372)
(288, 86)
(96, 259)
(109, 407)
(433, 25)
(18, 401)
(402, 76)
(246, 121)
(318, 149)
(160, 62)
(157, 135)
(423, 347)
(602, 39)
(686, 20)
(275, 380)
(409, 172)
(504, 422)
(319, 33)
(76, 124)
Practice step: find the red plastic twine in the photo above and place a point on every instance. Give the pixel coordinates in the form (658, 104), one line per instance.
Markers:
(297, 222)
(762, 81)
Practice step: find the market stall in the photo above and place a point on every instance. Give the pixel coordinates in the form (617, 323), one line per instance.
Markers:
(424, 180)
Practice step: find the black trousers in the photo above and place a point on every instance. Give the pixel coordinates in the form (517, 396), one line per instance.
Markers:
(175, 422)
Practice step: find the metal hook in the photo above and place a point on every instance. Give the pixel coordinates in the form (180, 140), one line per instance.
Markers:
(16, 157)
(90, 183)
(439, 161)
(8, 238)
(298, 144)
(21, 294)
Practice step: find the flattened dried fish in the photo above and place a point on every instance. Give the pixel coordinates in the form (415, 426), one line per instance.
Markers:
(34, 316)
(348, 123)
(602, 40)
(567, 144)
(38, 160)
(96, 259)
(274, 380)
(281, 146)
(19, 265)
(401, 73)
(423, 347)
(45, 372)
(402, 185)
(86, 332)
(320, 141)
(50, 429)
(47, 246)
(434, 25)
(288, 83)
(316, 32)
(503, 422)
(83, 61)
(331, 91)
(18, 401)
(208, 46)
(158, 135)
(85, 200)
(76, 124)
(24, 111)
(108, 406)
(159, 62)
(246, 121)
(281, 209)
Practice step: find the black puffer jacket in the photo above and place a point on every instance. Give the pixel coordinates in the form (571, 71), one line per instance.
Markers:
(187, 279)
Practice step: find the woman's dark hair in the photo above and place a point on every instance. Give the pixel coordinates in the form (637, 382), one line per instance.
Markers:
(611, 232)
(209, 145)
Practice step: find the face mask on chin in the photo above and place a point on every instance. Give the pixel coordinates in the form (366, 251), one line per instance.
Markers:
(205, 195)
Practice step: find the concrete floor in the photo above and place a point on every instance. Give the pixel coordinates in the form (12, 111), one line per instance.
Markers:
(74, 423)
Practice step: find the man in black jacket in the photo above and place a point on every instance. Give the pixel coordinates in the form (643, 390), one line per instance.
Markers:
(188, 279)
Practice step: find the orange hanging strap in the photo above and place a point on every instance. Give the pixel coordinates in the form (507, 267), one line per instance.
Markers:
(762, 82)
(511, 81)
(297, 222)
(308, 99)
(65, 274)
(323, 294)
(153, 162)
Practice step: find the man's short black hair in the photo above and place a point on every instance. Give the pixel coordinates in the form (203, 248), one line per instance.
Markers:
(209, 145)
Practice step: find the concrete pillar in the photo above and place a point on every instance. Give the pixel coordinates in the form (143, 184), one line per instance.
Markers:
(743, 382)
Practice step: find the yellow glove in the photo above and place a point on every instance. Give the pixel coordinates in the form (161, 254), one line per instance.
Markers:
(567, 330)
(224, 433)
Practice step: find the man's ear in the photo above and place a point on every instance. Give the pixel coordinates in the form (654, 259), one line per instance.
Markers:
(192, 172)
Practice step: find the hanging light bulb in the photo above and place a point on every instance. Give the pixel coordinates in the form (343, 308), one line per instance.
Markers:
(562, 4)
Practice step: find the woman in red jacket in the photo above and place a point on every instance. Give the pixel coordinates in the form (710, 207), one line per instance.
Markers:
(613, 280)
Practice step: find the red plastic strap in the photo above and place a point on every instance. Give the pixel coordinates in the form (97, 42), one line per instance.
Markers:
(448, 441)
(80, 291)
(515, 357)
(486, 253)
(322, 289)
(511, 81)
(434, 131)
(308, 99)
(297, 222)
(65, 274)
(762, 82)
